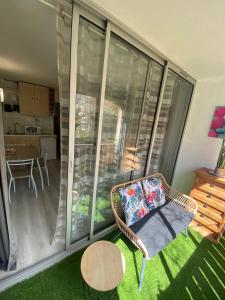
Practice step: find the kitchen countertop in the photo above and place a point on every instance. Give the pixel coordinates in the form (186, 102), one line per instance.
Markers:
(38, 135)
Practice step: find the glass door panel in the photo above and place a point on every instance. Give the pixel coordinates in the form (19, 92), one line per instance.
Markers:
(133, 83)
(174, 109)
(125, 85)
(148, 116)
(91, 41)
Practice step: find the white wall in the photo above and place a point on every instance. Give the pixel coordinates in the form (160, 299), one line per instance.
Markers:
(170, 26)
(197, 149)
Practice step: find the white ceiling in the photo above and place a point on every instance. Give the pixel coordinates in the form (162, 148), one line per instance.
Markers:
(189, 32)
(28, 45)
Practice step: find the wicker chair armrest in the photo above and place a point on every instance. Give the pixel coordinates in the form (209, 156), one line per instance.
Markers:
(180, 199)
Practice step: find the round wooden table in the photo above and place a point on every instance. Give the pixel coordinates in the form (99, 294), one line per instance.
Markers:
(103, 266)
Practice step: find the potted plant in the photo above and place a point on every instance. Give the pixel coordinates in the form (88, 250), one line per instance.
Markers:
(220, 167)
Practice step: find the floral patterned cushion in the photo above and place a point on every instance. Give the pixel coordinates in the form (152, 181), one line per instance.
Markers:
(133, 202)
(154, 192)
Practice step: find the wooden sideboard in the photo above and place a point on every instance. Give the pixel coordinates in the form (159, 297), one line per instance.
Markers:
(209, 192)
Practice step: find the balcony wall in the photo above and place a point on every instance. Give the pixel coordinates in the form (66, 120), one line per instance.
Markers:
(197, 149)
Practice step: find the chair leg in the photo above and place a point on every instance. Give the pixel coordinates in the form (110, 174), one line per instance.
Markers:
(29, 183)
(14, 185)
(46, 170)
(186, 230)
(142, 272)
(10, 184)
(40, 172)
(34, 185)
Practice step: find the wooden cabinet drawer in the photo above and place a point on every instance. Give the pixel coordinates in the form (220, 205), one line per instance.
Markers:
(206, 221)
(209, 192)
(207, 198)
(209, 234)
(212, 188)
(209, 211)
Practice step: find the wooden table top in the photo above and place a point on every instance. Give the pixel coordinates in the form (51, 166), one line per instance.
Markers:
(207, 173)
(103, 265)
(21, 152)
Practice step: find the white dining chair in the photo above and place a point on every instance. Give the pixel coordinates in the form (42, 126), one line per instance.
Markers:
(19, 169)
(44, 166)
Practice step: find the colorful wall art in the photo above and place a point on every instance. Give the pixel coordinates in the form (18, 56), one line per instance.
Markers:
(217, 128)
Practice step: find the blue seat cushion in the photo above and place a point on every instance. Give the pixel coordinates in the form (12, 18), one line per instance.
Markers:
(160, 226)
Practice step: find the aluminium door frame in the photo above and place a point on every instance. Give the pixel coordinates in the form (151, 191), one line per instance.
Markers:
(149, 72)
(72, 104)
(156, 121)
(4, 178)
(90, 14)
(98, 16)
(93, 13)
(100, 123)
(79, 12)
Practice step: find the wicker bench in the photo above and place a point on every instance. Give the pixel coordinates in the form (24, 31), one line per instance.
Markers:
(160, 226)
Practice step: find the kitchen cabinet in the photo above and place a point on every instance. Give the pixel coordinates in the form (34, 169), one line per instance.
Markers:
(26, 98)
(33, 99)
(42, 101)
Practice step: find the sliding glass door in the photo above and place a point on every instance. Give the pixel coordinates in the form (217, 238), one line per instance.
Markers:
(129, 113)
(148, 117)
(172, 117)
(132, 88)
(125, 87)
(90, 54)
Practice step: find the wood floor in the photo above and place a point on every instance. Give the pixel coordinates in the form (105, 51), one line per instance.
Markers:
(34, 219)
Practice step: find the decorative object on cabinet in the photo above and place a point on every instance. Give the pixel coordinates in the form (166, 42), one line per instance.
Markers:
(209, 192)
(33, 99)
(220, 166)
(217, 128)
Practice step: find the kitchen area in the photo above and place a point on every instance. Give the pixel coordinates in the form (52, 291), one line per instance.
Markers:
(33, 133)
(31, 125)
(28, 117)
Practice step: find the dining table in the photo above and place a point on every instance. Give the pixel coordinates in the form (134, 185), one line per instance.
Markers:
(22, 152)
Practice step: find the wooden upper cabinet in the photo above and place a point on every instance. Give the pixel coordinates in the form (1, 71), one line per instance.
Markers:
(27, 98)
(42, 102)
(33, 99)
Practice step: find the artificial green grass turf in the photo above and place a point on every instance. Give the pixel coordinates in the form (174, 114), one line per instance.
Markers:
(188, 268)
